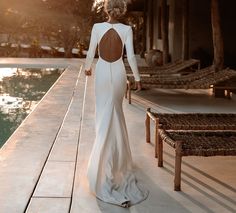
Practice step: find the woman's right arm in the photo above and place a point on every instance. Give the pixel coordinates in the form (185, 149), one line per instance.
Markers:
(91, 51)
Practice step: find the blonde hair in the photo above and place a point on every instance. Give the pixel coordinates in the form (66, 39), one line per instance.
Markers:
(115, 8)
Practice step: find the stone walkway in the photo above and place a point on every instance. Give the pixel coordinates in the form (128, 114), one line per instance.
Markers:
(43, 165)
(37, 163)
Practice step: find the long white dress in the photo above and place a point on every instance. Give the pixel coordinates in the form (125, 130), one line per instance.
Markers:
(111, 172)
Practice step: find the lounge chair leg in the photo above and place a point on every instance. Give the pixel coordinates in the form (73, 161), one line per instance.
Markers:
(160, 152)
(228, 94)
(147, 123)
(129, 91)
(199, 66)
(126, 91)
(178, 160)
(156, 137)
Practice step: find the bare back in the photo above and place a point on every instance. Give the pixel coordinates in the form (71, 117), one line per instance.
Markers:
(110, 46)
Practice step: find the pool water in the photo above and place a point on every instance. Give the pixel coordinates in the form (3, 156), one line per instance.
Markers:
(20, 91)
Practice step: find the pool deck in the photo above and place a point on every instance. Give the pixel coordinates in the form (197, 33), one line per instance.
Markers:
(43, 164)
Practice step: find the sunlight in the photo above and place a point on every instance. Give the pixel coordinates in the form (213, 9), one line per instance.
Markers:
(96, 2)
(7, 72)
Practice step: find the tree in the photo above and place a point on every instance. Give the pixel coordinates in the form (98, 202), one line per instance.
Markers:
(218, 43)
(65, 21)
(164, 31)
(72, 22)
(185, 30)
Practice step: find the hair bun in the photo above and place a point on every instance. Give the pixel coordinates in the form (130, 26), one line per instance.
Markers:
(115, 8)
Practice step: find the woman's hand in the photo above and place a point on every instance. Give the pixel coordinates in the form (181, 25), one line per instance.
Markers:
(88, 72)
(138, 86)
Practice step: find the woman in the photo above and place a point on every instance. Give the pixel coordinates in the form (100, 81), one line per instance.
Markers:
(110, 168)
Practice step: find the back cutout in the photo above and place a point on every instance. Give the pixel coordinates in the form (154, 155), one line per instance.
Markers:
(110, 46)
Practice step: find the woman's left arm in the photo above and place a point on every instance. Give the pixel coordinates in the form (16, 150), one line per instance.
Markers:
(131, 58)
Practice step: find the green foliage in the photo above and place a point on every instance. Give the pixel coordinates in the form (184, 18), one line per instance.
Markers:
(56, 23)
(62, 22)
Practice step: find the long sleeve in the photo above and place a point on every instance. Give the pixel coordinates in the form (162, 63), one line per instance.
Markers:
(91, 50)
(130, 54)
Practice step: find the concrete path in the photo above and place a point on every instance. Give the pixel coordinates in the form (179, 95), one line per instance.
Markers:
(43, 165)
(205, 188)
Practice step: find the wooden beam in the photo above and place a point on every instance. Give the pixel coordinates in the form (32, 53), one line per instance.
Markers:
(185, 30)
(164, 31)
(151, 24)
(144, 40)
(218, 43)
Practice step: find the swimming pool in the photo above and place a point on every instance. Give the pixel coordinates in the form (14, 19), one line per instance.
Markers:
(20, 91)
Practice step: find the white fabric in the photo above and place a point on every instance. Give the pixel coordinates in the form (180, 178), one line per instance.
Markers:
(126, 34)
(111, 173)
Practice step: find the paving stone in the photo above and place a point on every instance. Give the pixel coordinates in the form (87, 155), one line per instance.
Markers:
(49, 205)
(56, 180)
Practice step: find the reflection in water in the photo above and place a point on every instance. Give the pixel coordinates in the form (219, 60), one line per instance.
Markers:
(9, 103)
(7, 72)
(20, 91)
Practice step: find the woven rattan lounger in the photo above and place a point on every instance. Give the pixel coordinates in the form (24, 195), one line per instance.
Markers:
(171, 68)
(188, 121)
(201, 79)
(195, 143)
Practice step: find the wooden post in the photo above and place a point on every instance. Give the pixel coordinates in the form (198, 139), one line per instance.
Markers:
(185, 30)
(126, 91)
(129, 91)
(218, 43)
(147, 123)
(164, 31)
(151, 24)
(178, 160)
(160, 151)
(156, 137)
(144, 41)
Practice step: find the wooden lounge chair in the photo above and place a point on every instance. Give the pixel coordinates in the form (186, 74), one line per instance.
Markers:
(202, 79)
(188, 121)
(213, 79)
(168, 69)
(176, 79)
(195, 143)
(162, 67)
(199, 134)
